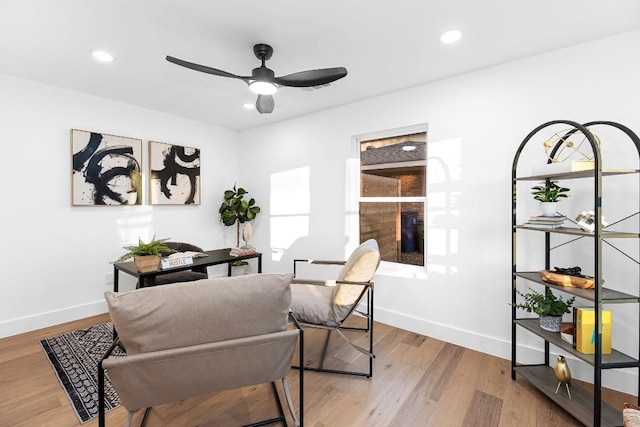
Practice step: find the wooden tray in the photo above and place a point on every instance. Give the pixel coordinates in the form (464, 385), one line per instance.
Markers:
(566, 280)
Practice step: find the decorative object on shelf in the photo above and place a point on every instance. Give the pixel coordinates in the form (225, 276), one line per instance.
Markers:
(557, 144)
(146, 255)
(564, 155)
(587, 221)
(548, 195)
(547, 222)
(174, 174)
(236, 210)
(106, 169)
(567, 332)
(247, 231)
(548, 306)
(585, 336)
(562, 374)
(569, 277)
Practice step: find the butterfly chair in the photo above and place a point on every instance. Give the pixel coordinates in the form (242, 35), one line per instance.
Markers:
(197, 338)
(195, 273)
(328, 304)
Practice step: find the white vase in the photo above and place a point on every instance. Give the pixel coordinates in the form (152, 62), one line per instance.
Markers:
(549, 208)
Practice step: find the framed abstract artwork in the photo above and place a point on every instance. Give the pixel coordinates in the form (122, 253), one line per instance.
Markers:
(106, 169)
(174, 174)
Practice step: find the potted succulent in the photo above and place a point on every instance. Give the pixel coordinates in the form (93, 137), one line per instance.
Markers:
(548, 306)
(548, 195)
(146, 255)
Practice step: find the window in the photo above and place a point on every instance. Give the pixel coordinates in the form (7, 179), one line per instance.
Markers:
(393, 195)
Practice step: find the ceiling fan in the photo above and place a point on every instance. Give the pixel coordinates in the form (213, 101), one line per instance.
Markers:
(262, 80)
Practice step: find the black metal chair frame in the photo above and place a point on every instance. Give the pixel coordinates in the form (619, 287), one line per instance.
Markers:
(368, 314)
(281, 418)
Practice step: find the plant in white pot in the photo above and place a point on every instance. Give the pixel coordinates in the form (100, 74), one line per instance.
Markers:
(548, 194)
(548, 306)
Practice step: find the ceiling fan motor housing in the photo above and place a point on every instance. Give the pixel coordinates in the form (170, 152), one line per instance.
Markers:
(262, 74)
(262, 51)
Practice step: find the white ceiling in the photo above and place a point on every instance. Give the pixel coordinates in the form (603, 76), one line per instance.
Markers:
(385, 46)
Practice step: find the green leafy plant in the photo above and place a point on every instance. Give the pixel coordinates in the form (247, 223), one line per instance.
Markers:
(154, 247)
(549, 192)
(235, 209)
(547, 304)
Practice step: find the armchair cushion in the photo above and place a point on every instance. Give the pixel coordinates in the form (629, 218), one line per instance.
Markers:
(313, 303)
(136, 315)
(360, 267)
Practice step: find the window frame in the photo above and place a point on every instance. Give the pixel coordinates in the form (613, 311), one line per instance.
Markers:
(394, 268)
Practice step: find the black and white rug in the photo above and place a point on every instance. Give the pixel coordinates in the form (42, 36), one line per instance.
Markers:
(74, 357)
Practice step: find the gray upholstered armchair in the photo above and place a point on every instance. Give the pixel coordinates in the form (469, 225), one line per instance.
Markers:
(201, 337)
(328, 304)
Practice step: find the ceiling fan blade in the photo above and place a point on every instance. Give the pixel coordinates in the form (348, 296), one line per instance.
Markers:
(265, 104)
(205, 69)
(312, 77)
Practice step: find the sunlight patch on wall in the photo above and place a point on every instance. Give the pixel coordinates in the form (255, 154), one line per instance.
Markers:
(444, 174)
(138, 224)
(290, 205)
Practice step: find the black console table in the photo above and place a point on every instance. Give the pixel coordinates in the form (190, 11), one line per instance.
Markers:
(214, 257)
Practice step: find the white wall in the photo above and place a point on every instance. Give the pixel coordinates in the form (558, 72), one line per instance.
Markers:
(55, 257)
(476, 121)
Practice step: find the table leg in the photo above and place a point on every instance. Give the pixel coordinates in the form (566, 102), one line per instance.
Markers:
(115, 279)
(260, 263)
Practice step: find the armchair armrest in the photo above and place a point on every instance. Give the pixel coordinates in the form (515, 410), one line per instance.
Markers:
(317, 262)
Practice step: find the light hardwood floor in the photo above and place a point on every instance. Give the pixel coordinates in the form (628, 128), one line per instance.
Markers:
(417, 381)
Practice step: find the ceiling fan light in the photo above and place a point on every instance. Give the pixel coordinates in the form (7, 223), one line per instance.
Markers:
(263, 88)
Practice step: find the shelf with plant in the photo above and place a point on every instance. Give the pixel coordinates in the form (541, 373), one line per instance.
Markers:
(548, 306)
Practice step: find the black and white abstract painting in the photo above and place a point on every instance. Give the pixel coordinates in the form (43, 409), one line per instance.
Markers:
(106, 169)
(174, 177)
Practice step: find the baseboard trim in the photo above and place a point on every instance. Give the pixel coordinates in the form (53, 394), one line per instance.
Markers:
(50, 318)
(623, 380)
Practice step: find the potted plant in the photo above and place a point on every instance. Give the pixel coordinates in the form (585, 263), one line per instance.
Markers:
(548, 306)
(146, 255)
(235, 209)
(548, 195)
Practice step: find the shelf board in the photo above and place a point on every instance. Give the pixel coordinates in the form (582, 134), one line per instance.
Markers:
(581, 403)
(607, 234)
(609, 296)
(579, 174)
(615, 358)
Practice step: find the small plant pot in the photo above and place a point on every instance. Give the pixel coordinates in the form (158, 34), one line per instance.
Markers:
(147, 263)
(549, 208)
(551, 323)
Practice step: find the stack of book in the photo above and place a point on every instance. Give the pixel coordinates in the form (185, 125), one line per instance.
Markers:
(242, 251)
(550, 222)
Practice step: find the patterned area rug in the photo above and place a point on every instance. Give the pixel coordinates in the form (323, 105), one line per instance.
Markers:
(74, 357)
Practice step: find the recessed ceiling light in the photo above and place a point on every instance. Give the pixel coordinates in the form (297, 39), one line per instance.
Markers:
(451, 36)
(248, 106)
(103, 56)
